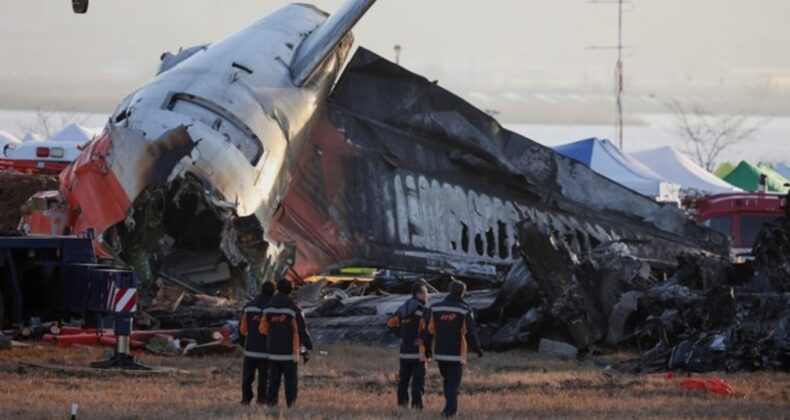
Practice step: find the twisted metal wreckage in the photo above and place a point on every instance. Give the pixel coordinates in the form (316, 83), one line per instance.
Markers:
(243, 158)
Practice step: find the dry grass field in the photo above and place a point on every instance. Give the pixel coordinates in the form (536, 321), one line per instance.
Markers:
(352, 381)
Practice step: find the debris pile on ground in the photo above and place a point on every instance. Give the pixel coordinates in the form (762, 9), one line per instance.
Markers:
(698, 316)
(363, 318)
(177, 307)
(573, 296)
(15, 189)
(186, 341)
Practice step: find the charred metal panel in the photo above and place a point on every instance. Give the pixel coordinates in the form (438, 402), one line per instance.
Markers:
(402, 173)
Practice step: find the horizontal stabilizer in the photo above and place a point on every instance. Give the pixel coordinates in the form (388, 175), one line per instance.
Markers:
(320, 44)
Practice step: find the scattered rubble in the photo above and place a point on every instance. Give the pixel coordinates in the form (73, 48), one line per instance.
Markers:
(698, 316)
(5, 342)
(575, 296)
(557, 348)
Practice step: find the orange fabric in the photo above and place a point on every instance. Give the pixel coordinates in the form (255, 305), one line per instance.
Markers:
(393, 321)
(243, 325)
(264, 326)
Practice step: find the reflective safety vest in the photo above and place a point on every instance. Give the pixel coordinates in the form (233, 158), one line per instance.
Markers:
(452, 328)
(283, 324)
(254, 342)
(408, 323)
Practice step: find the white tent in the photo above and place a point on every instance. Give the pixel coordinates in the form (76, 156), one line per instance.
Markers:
(7, 138)
(605, 158)
(31, 137)
(675, 167)
(75, 132)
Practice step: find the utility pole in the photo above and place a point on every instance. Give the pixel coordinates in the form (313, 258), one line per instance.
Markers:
(618, 72)
(397, 49)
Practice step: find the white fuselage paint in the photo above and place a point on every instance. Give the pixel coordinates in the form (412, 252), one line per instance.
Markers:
(430, 214)
(237, 91)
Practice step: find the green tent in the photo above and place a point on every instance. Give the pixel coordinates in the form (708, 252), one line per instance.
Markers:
(747, 178)
(724, 169)
(768, 169)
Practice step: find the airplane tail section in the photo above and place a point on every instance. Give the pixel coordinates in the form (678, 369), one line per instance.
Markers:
(320, 44)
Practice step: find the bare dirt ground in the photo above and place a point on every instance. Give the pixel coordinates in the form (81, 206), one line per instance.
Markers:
(353, 381)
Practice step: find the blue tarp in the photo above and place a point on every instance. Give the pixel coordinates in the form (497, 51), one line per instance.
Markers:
(605, 158)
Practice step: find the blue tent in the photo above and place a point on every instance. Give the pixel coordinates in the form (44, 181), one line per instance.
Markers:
(783, 169)
(606, 159)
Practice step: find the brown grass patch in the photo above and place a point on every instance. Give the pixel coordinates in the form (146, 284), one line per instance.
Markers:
(353, 381)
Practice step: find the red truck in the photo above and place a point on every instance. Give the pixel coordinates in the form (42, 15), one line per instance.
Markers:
(740, 216)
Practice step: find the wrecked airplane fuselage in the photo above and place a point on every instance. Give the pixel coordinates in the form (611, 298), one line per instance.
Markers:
(197, 160)
(239, 145)
(410, 176)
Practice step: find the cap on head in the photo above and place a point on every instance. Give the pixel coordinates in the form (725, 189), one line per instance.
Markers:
(457, 288)
(285, 286)
(267, 288)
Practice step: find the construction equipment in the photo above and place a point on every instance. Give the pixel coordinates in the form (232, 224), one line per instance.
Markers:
(57, 278)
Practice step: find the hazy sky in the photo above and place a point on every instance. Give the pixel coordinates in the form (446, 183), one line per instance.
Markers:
(465, 44)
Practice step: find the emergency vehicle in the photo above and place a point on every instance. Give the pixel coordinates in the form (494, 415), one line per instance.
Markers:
(46, 157)
(740, 216)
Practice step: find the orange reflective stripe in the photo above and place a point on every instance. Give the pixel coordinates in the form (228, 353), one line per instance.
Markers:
(243, 326)
(295, 332)
(463, 342)
(393, 321)
(264, 326)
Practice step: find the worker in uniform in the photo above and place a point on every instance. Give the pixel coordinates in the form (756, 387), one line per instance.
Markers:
(408, 323)
(256, 358)
(287, 339)
(450, 332)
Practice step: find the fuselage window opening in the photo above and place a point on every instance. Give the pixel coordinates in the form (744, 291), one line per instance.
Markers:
(220, 120)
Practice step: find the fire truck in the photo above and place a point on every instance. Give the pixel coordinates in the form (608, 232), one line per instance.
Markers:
(741, 216)
(42, 157)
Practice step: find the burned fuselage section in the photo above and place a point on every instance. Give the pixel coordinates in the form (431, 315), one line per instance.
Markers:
(402, 174)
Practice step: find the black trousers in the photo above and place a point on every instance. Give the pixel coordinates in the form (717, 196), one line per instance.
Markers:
(411, 371)
(451, 381)
(278, 370)
(251, 365)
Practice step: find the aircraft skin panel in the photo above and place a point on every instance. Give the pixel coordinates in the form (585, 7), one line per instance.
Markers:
(409, 176)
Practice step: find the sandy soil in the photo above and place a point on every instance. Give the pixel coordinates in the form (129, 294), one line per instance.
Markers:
(351, 381)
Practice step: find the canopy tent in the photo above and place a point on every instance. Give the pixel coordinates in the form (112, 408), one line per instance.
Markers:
(783, 169)
(747, 177)
(724, 169)
(31, 137)
(770, 170)
(606, 159)
(75, 132)
(675, 167)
